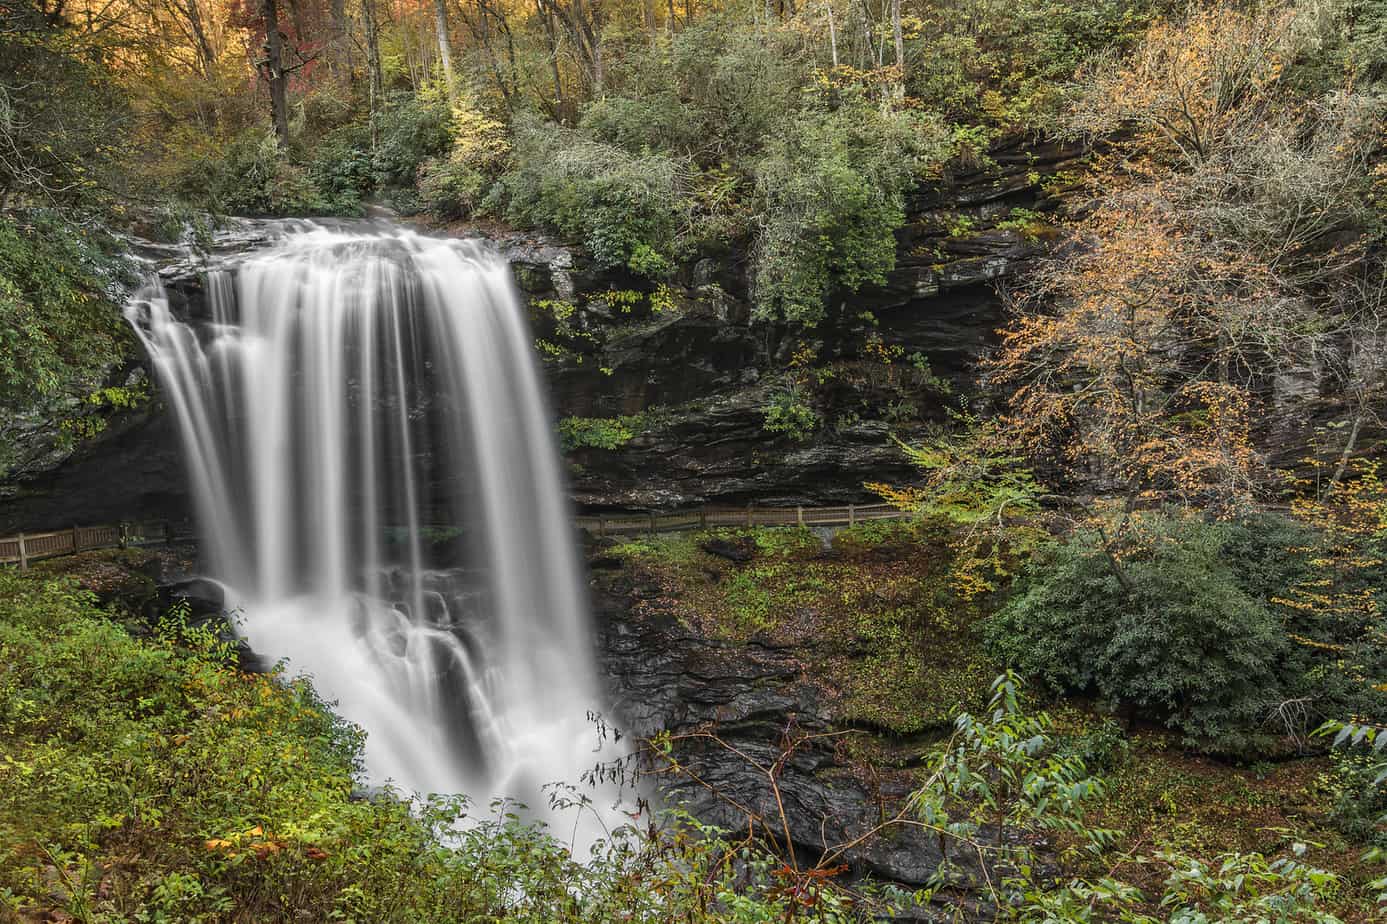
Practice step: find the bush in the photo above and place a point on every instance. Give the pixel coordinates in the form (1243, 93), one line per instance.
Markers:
(454, 187)
(832, 190)
(789, 415)
(411, 130)
(595, 432)
(1182, 640)
(248, 175)
(59, 329)
(1009, 64)
(342, 171)
(625, 208)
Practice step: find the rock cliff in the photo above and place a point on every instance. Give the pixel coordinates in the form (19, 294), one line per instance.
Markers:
(683, 366)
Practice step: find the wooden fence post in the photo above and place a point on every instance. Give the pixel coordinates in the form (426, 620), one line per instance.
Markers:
(799, 513)
(76, 544)
(748, 516)
(602, 527)
(702, 518)
(124, 535)
(852, 515)
(23, 555)
(652, 523)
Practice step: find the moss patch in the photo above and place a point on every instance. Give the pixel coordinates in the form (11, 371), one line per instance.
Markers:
(871, 616)
(1163, 798)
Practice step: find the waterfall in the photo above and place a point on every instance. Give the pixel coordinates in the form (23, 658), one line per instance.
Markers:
(379, 491)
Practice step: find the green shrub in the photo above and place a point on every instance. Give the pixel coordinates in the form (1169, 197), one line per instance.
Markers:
(410, 130)
(454, 186)
(714, 93)
(449, 189)
(1008, 64)
(342, 171)
(789, 415)
(1176, 636)
(832, 191)
(59, 329)
(247, 175)
(595, 432)
(625, 208)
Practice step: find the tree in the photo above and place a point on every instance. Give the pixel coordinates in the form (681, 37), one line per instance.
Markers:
(273, 70)
(445, 51)
(1190, 82)
(1227, 234)
(61, 111)
(1121, 377)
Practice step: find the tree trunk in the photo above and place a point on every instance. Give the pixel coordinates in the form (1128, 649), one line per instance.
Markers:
(832, 33)
(375, 80)
(445, 50)
(341, 46)
(207, 58)
(898, 37)
(275, 74)
(550, 35)
(1349, 445)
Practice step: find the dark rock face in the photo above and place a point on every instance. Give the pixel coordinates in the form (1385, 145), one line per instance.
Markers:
(715, 696)
(133, 470)
(700, 372)
(718, 451)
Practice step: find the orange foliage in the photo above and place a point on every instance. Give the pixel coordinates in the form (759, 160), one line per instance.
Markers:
(1189, 82)
(1130, 376)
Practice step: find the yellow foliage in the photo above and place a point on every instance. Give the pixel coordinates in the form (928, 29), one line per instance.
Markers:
(1188, 81)
(478, 140)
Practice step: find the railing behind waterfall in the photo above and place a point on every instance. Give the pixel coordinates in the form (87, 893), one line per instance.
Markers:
(750, 516)
(24, 548)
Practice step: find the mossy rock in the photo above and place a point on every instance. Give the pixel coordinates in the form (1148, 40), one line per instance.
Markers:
(871, 615)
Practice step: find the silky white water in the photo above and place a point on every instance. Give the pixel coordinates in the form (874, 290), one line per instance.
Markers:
(379, 490)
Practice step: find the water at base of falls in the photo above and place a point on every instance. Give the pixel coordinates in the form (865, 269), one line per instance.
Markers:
(379, 491)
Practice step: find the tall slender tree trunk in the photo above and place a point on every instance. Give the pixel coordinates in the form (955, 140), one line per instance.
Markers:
(1350, 444)
(832, 33)
(898, 37)
(207, 58)
(551, 36)
(445, 50)
(375, 79)
(275, 75)
(341, 46)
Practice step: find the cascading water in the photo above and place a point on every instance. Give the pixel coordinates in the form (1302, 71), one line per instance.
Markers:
(378, 486)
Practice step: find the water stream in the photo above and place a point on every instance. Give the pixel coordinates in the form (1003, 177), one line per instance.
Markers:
(379, 492)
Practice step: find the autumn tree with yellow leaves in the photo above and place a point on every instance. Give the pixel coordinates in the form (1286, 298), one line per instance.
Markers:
(1226, 230)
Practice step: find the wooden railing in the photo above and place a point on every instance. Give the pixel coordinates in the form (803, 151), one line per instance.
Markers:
(30, 547)
(24, 548)
(709, 517)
